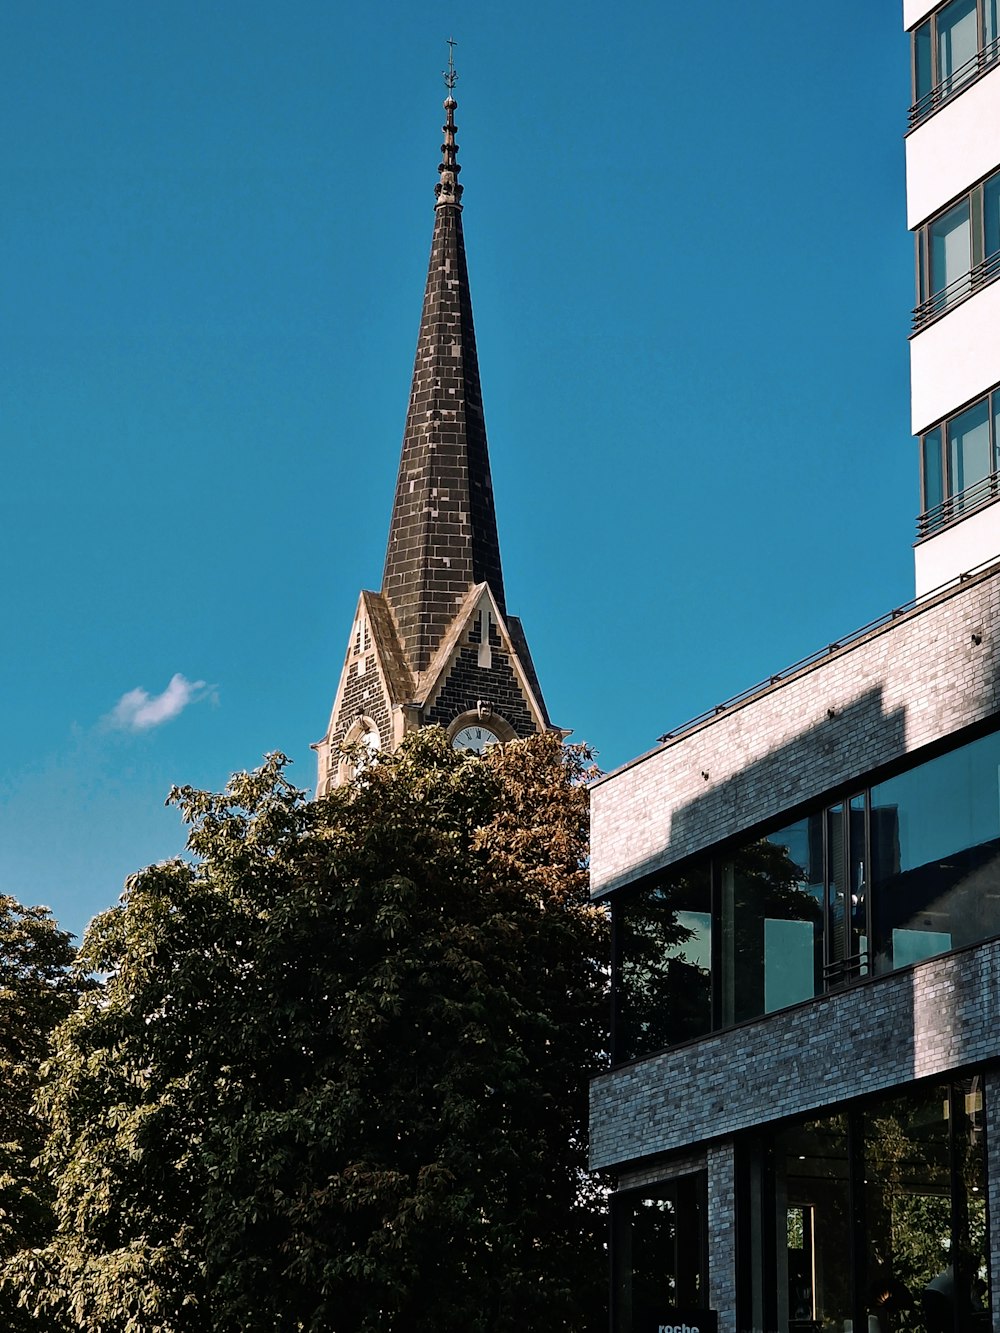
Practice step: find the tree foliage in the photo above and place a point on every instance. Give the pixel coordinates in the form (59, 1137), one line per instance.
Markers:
(336, 1077)
(37, 991)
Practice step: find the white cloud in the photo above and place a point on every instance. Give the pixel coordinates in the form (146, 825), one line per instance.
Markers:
(137, 710)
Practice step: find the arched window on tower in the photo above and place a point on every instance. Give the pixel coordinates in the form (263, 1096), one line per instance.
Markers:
(359, 746)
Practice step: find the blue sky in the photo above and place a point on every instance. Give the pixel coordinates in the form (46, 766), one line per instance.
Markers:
(691, 280)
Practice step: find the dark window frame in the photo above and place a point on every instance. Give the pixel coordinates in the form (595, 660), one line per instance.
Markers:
(983, 268)
(943, 90)
(958, 504)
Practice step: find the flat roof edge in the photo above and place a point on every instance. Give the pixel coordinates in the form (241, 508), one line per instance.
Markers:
(833, 652)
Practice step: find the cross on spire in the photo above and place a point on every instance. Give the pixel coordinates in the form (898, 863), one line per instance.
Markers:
(449, 74)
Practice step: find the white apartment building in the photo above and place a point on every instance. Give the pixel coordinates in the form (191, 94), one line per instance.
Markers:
(953, 210)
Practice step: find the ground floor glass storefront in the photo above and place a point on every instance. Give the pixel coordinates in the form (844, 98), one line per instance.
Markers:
(870, 1218)
(659, 1253)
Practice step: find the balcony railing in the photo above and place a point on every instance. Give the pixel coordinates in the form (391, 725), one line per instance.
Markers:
(843, 970)
(954, 84)
(957, 506)
(981, 275)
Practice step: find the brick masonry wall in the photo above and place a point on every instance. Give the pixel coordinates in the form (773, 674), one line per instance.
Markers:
(364, 694)
(928, 1020)
(992, 1090)
(903, 686)
(722, 1235)
(467, 682)
(654, 1173)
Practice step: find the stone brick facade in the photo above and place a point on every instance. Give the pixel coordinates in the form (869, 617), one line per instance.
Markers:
(722, 1235)
(992, 1088)
(363, 694)
(467, 681)
(939, 1016)
(921, 677)
(663, 1168)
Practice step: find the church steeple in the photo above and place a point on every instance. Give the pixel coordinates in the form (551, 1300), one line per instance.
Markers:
(443, 531)
(436, 645)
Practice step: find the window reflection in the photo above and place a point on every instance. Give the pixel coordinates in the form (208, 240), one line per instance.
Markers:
(937, 855)
(932, 473)
(957, 251)
(772, 922)
(878, 1216)
(813, 1182)
(949, 49)
(950, 247)
(909, 1203)
(660, 1246)
(970, 454)
(881, 879)
(958, 41)
(664, 970)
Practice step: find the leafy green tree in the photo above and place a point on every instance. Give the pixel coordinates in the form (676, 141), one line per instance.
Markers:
(37, 991)
(336, 1078)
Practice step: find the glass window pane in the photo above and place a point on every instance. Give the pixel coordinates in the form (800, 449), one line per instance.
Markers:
(958, 42)
(970, 456)
(990, 28)
(932, 479)
(663, 977)
(857, 877)
(813, 1206)
(950, 246)
(935, 834)
(991, 217)
(772, 922)
(925, 1187)
(836, 890)
(876, 1213)
(908, 1204)
(661, 1240)
(972, 1267)
(923, 78)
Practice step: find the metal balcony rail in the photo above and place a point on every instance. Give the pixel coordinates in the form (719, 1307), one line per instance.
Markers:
(980, 492)
(955, 82)
(846, 969)
(821, 654)
(979, 276)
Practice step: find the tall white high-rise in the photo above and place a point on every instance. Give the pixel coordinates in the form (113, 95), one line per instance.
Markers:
(953, 210)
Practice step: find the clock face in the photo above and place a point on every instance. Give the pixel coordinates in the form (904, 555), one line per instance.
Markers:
(475, 738)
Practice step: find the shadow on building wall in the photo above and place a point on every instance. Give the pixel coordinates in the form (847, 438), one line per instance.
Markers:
(930, 1015)
(812, 763)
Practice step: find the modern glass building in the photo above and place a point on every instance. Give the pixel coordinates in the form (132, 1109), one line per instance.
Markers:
(802, 1118)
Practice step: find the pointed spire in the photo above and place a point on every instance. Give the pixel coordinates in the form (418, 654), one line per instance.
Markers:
(443, 531)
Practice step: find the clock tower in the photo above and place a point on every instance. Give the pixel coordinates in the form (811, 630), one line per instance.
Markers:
(437, 644)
